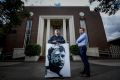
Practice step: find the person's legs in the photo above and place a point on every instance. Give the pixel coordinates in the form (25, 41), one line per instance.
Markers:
(80, 53)
(85, 60)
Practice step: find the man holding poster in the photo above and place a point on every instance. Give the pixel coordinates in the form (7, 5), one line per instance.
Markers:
(57, 57)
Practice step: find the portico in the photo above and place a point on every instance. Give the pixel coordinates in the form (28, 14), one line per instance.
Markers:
(47, 25)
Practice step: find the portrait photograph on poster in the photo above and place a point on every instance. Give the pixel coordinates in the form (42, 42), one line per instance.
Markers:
(57, 63)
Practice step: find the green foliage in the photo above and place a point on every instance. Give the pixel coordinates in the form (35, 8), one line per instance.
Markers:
(74, 50)
(12, 13)
(32, 50)
(107, 6)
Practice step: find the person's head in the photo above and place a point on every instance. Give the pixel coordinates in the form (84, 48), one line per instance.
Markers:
(81, 30)
(57, 32)
(56, 56)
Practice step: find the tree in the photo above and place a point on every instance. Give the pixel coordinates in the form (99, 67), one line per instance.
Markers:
(12, 13)
(107, 6)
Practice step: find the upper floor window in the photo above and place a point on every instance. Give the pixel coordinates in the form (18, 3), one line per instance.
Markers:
(28, 32)
(82, 24)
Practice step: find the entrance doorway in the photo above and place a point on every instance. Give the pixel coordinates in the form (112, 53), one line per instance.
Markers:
(55, 24)
(47, 25)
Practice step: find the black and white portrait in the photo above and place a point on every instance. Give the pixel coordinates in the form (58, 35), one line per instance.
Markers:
(56, 61)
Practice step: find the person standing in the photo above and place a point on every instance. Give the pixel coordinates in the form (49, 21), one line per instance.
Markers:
(82, 42)
(56, 55)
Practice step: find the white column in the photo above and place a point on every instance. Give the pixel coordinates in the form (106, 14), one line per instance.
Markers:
(40, 33)
(72, 31)
(48, 30)
(64, 29)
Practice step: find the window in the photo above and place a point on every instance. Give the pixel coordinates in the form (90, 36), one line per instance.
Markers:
(82, 24)
(28, 32)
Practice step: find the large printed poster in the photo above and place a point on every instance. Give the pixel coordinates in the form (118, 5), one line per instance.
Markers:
(57, 63)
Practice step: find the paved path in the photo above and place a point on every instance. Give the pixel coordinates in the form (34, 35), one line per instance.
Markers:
(36, 71)
(106, 62)
(110, 62)
(3, 64)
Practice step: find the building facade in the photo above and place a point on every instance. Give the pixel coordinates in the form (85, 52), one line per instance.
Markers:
(44, 20)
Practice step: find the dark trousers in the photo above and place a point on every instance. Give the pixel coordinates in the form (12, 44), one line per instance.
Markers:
(84, 59)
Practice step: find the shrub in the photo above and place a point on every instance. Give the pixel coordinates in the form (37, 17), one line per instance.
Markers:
(32, 50)
(74, 50)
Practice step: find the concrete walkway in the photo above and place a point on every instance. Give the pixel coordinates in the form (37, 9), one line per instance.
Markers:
(115, 62)
(110, 62)
(4, 64)
(36, 71)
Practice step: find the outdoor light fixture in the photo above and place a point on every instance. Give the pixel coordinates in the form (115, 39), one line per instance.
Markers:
(31, 13)
(82, 14)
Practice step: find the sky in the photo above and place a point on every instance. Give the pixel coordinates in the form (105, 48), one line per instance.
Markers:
(53, 2)
(111, 23)
(112, 26)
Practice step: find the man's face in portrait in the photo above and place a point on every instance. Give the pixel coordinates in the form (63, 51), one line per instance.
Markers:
(57, 57)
